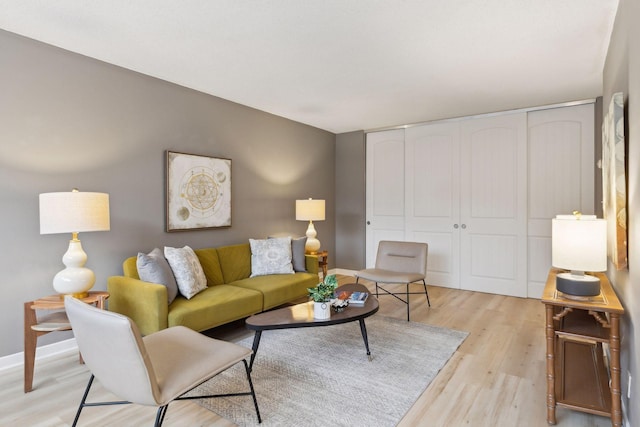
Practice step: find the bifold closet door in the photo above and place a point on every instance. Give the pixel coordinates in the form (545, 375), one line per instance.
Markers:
(432, 180)
(493, 204)
(561, 170)
(385, 199)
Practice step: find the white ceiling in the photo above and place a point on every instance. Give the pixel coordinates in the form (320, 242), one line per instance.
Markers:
(343, 65)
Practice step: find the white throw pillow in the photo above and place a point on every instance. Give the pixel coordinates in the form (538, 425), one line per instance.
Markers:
(187, 270)
(271, 256)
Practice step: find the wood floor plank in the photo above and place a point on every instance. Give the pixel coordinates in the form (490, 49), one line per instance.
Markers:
(496, 378)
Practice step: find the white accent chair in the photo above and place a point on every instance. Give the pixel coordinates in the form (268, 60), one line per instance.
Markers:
(398, 262)
(154, 370)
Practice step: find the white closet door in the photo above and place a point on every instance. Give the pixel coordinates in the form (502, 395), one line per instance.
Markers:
(561, 170)
(385, 204)
(432, 180)
(493, 204)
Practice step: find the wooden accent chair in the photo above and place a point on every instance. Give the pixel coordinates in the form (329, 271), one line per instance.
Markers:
(398, 262)
(154, 370)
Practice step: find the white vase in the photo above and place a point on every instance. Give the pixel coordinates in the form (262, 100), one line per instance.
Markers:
(322, 310)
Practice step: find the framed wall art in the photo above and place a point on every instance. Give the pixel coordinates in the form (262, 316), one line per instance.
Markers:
(614, 181)
(198, 192)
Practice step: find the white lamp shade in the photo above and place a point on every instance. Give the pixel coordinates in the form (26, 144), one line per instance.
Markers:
(579, 243)
(310, 210)
(73, 211)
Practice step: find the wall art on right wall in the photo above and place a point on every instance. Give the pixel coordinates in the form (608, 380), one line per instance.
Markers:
(614, 181)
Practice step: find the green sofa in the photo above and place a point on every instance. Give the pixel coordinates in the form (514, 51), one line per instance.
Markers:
(230, 295)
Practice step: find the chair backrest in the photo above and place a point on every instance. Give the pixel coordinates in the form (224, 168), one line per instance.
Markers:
(405, 257)
(112, 349)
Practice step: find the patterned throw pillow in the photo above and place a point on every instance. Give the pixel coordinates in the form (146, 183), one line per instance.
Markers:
(187, 270)
(271, 256)
(154, 268)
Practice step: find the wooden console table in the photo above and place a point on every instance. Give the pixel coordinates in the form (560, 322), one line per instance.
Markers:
(56, 320)
(576, 330)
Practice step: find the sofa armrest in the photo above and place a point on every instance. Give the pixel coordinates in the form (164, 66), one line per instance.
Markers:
(145, 303)
(311, 262)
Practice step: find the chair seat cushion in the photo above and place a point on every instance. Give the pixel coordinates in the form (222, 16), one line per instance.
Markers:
(387, 276)
(199, 356)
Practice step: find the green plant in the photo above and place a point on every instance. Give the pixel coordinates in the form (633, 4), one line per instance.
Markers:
(325, 290)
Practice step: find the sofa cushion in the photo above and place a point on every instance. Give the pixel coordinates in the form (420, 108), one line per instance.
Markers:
(271, 256)
(153, 267)
(210, 265)
(278, 289)
(214, 306)
(235, 262)
(186, 269)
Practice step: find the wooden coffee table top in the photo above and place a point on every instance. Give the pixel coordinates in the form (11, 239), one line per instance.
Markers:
(301, 315)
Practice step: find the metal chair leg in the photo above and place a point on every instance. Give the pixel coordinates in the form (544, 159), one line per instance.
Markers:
(82, 402)
(253, 393)
(426, 292)
(162, 411)
(407, 302)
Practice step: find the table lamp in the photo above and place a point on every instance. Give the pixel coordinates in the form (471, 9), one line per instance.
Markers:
(310, 210)
(74, 212)
(578, 244)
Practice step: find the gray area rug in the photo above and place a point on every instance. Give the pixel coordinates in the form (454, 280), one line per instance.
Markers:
(322, 376)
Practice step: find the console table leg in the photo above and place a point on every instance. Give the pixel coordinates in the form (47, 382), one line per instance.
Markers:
(614, 341)
(363, 330)
(551, 392)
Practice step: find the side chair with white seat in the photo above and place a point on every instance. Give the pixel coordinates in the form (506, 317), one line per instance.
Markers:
(398, 263)
(154, 370)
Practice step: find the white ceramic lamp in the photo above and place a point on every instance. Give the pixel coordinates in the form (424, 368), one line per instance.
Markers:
(74, 212)
(578, 244)
(310, 210)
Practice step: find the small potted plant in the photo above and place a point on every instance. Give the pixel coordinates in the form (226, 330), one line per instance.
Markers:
(322, 295)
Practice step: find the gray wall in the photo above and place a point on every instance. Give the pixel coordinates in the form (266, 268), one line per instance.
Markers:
(622, 74)
(350, 200)
(70, 121)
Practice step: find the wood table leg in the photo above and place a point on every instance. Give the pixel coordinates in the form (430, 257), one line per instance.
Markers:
(30, 342)
(551, 392)
(614, 347)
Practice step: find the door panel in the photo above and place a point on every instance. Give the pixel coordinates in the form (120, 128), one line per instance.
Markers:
(561, 179)
(432, 197)
(385, 202)
(493, 204)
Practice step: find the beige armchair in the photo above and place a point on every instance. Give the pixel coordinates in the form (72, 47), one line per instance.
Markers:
(154, 370)
(398, 262)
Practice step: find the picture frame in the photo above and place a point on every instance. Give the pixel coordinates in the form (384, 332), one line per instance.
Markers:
(198, 192)
(614, 181)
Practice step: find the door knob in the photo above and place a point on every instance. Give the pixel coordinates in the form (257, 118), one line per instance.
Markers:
(464, 225)
(455, 225)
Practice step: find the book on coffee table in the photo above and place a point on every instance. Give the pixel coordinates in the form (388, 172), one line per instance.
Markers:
(358, 298)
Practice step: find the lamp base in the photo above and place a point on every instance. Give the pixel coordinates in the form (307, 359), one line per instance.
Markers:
(75, 280)
(578, 285)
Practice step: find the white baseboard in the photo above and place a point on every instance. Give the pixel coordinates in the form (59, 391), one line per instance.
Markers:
(42, 352)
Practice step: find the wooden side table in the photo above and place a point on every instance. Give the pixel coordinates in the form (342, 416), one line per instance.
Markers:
(323, 261)
(35, 326)
(575, 332)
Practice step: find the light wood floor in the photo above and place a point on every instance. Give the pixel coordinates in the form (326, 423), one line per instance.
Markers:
(496, 378)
